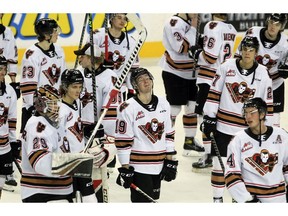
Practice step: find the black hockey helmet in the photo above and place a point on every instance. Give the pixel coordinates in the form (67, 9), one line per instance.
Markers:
(45, 26)
(44, 98)
(258, 103)
(250, 41)
(3, 61)
(278, 17)
(138, 72)
(70, 76)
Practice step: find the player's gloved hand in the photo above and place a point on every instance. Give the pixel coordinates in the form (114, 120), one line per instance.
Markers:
(201, 41)
(169, 170)
(208, 125)
(254, 200)
(100, 155)
(194, 52)
(125, 177)
(16, 87)
(88, 130)
(16, 148)
(283, 71)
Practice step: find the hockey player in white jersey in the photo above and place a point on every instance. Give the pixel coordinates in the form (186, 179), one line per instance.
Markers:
(235, 81)
(42, 64)
(272, 53)
(120, 45)
(105, 79)
(9, 147)
(256, 159)
(219, 39)
(179, 76)
(9, 50)
(145, 140)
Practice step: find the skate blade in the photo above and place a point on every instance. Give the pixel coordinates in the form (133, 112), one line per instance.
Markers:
(191, 153)
(202, 170)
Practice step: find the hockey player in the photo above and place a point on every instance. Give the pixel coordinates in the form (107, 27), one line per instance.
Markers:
(235, 81)
(255, 158)
(105, 79)
(219, 38)
(9, 50)
(120, 45)
(9, 147)
(179, 75)
(70, 117)
(42, 64)
(273, 50)
(145, 140)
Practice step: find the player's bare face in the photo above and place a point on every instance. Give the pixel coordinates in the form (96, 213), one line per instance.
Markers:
(84, 61)
(248, 55)
(3, 71)
(251, 116)
(54, 36)
(119, 21)
(74, 91)
(144, 84)
(273, 29)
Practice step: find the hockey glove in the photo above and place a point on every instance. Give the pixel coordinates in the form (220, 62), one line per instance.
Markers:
(100, 155)
(125, 177)
(169, 170)
(88, 130)
(283, 71)
(16, 87)
(16, 148)
(194, 52)
(254, 200)
(208, 126)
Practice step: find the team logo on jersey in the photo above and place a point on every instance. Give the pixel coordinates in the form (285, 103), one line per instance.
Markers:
(40, 127)
(3, 114)
(77, 129)
(86, 97)
(116, 58)
(140, 115)
(123, 106)
(247, 146)
(240, 92)
(153, 130)
(263, 162)
(212, 25)
(28, 53)
(52, 74)
(266, 60)
(65, 147)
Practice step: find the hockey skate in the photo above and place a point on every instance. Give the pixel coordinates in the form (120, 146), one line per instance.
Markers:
(10, 180)
(192, 145)
(218, 199)
(202, 163)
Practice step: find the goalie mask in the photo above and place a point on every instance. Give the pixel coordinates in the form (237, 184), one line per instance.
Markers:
(47, 102)
(136, 74)
(46, 26)
(278, 18)
(69, 77)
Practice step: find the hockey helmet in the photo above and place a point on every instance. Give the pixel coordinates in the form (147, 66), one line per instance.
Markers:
(68, 77)
(223, 16)
(46, 100)
(257, 102)
(249, 41)
(138, 72)
(111, 16)
(46, 26)
(278, 18)
(3, 63)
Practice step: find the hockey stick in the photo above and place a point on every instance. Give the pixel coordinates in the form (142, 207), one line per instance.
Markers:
(214, 144)
(17, 165)
(106, 35)
(142, 192)
(141, 39)
(81, 38)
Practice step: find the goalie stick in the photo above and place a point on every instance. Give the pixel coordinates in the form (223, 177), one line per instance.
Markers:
(141, 39)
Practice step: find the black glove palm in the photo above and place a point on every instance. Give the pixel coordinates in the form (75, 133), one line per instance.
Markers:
(194, 52)
(283, 71)
(208, 126)
(169, 170)
(125, 177)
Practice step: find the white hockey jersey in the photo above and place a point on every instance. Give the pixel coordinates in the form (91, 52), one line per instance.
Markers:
(252, 169)
(270, 54)
(38, 68)
(178, 36)
(39, 140)
(144, 134)
(9, 50)
(219, 40)
(105, 79)
(119, 50)
(8, 119)
(70, 119)
(231, 86)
